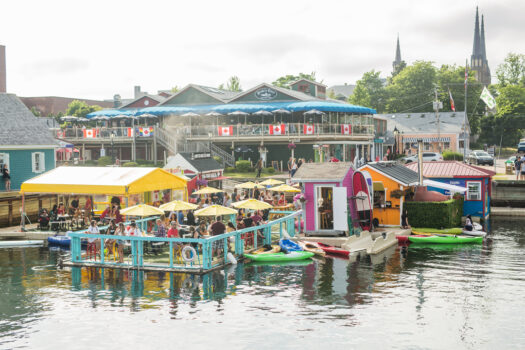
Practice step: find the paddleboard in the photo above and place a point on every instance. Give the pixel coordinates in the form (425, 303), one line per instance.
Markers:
(10, 244)
(362, 200)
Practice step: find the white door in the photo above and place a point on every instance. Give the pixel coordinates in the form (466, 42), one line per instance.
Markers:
(340, 209)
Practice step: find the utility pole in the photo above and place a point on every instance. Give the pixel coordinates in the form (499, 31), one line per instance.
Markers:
(437, 105)
(465, 121)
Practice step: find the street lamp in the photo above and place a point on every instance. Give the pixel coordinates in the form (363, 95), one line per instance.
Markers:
(396, 132)
(112, 136)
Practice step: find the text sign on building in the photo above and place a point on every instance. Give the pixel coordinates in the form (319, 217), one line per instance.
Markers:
(265, 94)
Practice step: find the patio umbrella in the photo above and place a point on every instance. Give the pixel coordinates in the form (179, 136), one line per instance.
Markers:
(239, 114)
(249, 185)
(141, 210)
(271, 182)
(147, 115)
(82, 120)
(178, 205)
(69, 118)
(122, 116)
(208, 190)
(263, 113)
(100, 117)
(213, 114)
(314, 112)
(215, 210)
(285, 188)
(280, 111)
(190, 114)
(252, 204)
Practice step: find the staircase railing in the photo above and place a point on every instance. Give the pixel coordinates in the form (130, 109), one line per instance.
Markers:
(219, 152)
(167, 140)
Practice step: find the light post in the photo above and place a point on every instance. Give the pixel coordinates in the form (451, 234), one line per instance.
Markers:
(396, 133)
(112, 136)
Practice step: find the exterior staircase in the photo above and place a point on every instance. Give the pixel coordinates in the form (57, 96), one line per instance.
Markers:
(175, 144)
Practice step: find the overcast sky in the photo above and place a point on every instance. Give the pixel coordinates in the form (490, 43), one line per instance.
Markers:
(101, 48)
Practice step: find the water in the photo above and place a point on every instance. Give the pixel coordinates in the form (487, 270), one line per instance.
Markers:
(417, 298)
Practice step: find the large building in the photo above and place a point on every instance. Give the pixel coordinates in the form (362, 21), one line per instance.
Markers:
(478, 60)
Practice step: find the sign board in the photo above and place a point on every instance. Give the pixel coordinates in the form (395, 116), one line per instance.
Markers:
(265, 94)
(491, 150)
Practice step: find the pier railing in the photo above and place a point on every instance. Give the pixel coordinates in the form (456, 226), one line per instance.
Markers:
(207, 253)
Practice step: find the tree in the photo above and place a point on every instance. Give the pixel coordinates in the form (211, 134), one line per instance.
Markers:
(35, 112)
(331, 94)
(512, 70)
(370, 92)
(285, 81)
(81, 109)
(234, 84)
(174, 89)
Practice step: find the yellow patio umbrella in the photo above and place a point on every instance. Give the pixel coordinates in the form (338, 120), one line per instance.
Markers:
(178, 205)
(271, 182)
(285, 188)
(142, 210)
(249, 185)
(208, 190)
(215, 210)
(252, 204)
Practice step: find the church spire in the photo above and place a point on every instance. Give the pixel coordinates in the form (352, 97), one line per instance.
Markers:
(482, 40)
(398, 63)
(398, 51)
(476, 48)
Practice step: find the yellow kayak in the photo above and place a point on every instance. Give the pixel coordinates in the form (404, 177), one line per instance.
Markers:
(275, 249)
(312, 247)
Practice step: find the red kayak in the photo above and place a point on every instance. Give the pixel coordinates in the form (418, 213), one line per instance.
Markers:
(404, 239)
(333, 250)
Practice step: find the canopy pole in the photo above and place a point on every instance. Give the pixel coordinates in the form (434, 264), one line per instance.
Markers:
(22, 214)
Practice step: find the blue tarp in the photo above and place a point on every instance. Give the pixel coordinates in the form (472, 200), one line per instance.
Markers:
(302, 106)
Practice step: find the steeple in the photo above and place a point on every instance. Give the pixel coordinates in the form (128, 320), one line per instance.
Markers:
(482, 40)
(398, 51)
(478, 59)
(398, 63)
(476, 47)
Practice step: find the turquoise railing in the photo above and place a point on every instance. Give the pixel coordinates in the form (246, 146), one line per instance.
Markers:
(244, 238)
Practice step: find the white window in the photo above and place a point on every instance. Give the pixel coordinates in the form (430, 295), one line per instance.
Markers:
(38, 162)
(4, 161)
(474, 191)
(446, 145)
(427, 146)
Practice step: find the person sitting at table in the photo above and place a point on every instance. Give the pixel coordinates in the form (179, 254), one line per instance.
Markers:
(201, 230)
(275, 201)
(256, 218)
(180, 217)
(227, 200)
(256, 192)
(133, 230)
(43, 219)
(61, 210)
(267, 196)
(282, 200)
(248, 221)
(217, 227)
(161, 230)
(206, 203)
(190, 218)
(106, 213)
(74, 206)
(116, 214)
(173, 232)
(120, 231)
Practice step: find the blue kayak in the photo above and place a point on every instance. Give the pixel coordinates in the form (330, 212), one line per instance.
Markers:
(288, 246)
(63, 241)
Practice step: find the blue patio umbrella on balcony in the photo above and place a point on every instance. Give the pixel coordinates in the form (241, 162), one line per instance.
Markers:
(312, 112)
(263, 113)
(239, 114)
(69, 118)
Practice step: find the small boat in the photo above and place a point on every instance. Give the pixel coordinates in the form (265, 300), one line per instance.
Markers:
(11, 244)
(445, 239)
(63, 241)
(288, 246)
(445, 231)
(265, 250)
(297, 255)
(312, 247)
(474, 233)
(333, 250)
(404, 239)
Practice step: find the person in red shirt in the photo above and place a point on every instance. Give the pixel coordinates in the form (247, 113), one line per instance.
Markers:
(282, 200)
(173, 232)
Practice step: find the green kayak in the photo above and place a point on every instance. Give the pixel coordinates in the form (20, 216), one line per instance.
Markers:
(446, 231)
(298, 255)
(445, 239)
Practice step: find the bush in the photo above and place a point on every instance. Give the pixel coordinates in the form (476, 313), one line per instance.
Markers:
(451, 155)
(218, 159)
(243, 166)
(130, 164)
(89, 163)
(269, 170)
(103, 161)
(229, 169)
(435, 214)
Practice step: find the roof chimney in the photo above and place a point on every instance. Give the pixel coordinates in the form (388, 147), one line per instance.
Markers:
(3, 87)
(136, 90)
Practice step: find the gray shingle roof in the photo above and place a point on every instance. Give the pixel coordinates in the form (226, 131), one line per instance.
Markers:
(343, 91)
(202, 164)
(449, 122)
(309, 172)
(395, 171)
(20, 127)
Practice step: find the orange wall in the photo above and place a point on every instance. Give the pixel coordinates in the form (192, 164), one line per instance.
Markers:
(386, 216)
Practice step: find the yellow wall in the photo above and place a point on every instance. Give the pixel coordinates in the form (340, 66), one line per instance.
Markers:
(387, 216)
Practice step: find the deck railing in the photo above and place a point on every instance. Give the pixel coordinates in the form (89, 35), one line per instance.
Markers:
(210, 252)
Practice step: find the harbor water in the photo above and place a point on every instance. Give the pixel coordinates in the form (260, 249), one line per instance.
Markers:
(416, 297)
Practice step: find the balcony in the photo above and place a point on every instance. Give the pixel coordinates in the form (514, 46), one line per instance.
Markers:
(103, 134)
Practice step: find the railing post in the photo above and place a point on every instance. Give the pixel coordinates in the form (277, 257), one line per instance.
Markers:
(76, 251)
(255, 239)
(225, 252)
(206, 261)
(171, 254)
(280, 230)
(102, 251)
(133, 253)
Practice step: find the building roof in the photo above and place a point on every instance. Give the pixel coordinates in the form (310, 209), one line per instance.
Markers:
(218, 94)
(311, 172)
(342, 91)
(157, 98)
(307, 80)
(20, 127)
(421, 123)
(395, 171)
(191, 161)
(294, 95)
(47, 105)
(451, 169)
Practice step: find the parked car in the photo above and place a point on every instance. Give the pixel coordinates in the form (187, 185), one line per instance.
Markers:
(480, 158)
(521, 146)
(427, 157)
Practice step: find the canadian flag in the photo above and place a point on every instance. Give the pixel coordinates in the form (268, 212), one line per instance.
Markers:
(225, 130)
(279, 129)
(346, 129)
(308, 129)
(130, 132)
(90, 133)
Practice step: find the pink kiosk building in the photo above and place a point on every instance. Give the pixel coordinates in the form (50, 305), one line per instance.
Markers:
(328, 192)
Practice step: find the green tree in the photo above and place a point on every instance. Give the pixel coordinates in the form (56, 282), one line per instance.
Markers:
(331, 94)
(512, 70)
(174, 89)
(402, 65)
(285, 81)
(233, 84)
(81, 109)
(370, 92)
(35, 112)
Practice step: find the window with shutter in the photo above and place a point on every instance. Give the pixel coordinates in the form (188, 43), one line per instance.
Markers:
(38, 162)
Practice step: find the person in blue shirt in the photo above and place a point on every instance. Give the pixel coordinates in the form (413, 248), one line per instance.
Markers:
(180, 217)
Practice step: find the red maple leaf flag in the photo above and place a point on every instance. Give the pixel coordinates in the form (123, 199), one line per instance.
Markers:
(90, 133)
(278, 129)
(130, 132)
(308, 129)
(452, 105)
(346, 129)
(225, 130)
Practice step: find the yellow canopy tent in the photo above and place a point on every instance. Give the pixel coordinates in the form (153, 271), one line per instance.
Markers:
(208, 190)
(249, 185)
(252, 204)
(178, 205)
(142, 210)
(285, 188)
(271, 182)
(215, 210)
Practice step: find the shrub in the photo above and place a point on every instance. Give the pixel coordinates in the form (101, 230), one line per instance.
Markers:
(439, 215)
(89, 162)
(451, 155)
(269, 170)
(130, 164)
(103, 161)
(243, 166)
(218, 159)
(229, 169)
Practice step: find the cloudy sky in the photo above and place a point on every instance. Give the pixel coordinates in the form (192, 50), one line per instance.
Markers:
(95, 49)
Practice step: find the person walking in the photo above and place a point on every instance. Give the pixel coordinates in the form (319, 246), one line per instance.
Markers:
(294, 168)
(7, 178)
(517, 166)
(259, 167)
(289, 164)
